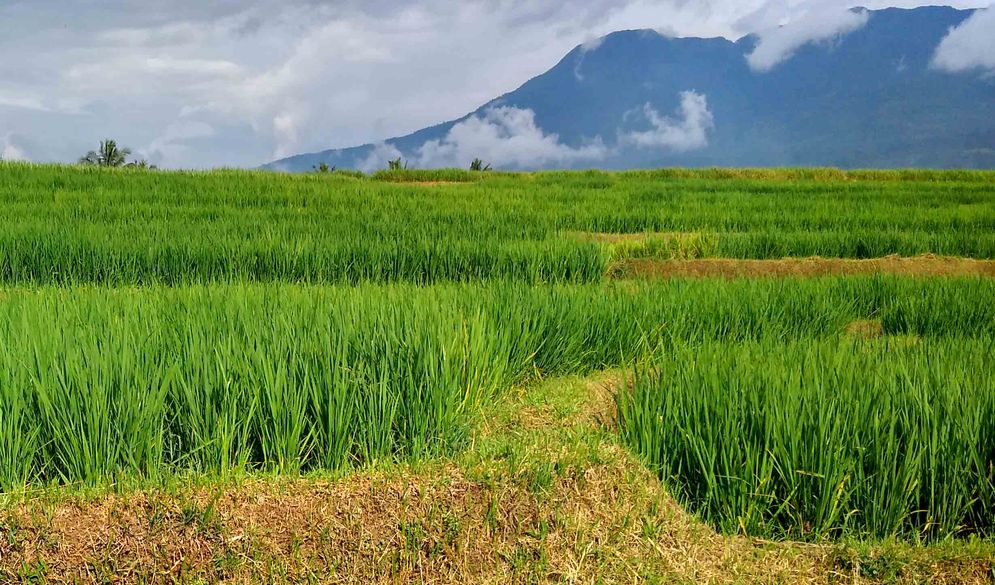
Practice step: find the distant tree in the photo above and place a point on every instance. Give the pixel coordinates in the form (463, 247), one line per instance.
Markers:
(478, 165)
(397, 165)
(323, 168)
(108, 155)
(141, 164)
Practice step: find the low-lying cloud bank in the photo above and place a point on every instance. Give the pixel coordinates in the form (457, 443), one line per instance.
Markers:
(809, 22)
(970, 46)
(688, 131)
(10, 151)
(508, 137)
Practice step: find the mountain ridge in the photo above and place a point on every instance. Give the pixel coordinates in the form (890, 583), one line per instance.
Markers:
(636, 99)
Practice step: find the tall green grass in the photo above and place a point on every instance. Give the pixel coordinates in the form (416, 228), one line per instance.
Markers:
(67, 225)
(821, 439)
(97, 382)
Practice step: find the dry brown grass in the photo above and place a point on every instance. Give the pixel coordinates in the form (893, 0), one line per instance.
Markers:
(865, 328)
(605, 521)
(926, 265)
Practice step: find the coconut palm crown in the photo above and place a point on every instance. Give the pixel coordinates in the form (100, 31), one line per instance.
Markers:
(108, 155)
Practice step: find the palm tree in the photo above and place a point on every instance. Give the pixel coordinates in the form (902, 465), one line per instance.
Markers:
(478, 165)
(108, 155)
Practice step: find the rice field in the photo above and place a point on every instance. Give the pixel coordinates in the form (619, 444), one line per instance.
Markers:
(64, 225)
(231, 323)
(101, 381)
(817, 439)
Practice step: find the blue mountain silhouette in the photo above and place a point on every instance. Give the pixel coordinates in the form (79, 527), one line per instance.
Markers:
(867, 99)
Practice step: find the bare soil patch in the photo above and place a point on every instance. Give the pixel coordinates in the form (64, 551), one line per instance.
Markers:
(926, 265)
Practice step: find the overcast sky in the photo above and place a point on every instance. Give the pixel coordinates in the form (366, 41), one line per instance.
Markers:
(202, 83)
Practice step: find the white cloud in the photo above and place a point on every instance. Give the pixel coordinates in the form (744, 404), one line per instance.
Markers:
(274, 78)
(378, 157)
(688, 131)
(22, 102)
(170, 147)
(10, 151)
(136, 74)
(810, 22)
(504, 137)
(969, 46)
(592, 44)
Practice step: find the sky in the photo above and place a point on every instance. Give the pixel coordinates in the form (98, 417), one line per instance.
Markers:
(208, 83)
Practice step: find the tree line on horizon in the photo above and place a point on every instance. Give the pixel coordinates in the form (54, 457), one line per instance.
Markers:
(109, 154)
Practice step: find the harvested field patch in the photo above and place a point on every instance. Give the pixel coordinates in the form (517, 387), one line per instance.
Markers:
(925, 265)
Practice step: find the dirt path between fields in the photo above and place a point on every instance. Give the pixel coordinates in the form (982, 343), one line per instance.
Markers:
(926, 265)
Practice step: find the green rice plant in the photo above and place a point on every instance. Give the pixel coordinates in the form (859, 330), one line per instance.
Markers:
(212, 413)
(67, 225)
(325, 382)
(142, 381)
(19, 439)
(96, 414)
(814, 439)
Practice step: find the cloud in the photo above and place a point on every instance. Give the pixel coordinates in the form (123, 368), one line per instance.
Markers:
(586, 47)
(10, 151)
(688, 131)
(810, 22)
(504, 137)
(378, 157)
(171, 146)
(275, 78)
(592, 44)
(22, 102)
(140, 75)
(969, 46)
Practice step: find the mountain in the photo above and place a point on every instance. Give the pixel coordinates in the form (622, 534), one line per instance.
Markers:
(633, 99)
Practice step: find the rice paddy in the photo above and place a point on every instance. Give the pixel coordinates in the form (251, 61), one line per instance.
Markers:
(64, 225)
(232, 324)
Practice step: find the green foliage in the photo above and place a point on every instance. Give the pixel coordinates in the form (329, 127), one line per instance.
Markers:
(298, 323)
(397, 165)
(96, 382)
(478, 165)
(108, 155)
(82, 224)
(813, 439)
(425, 176)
